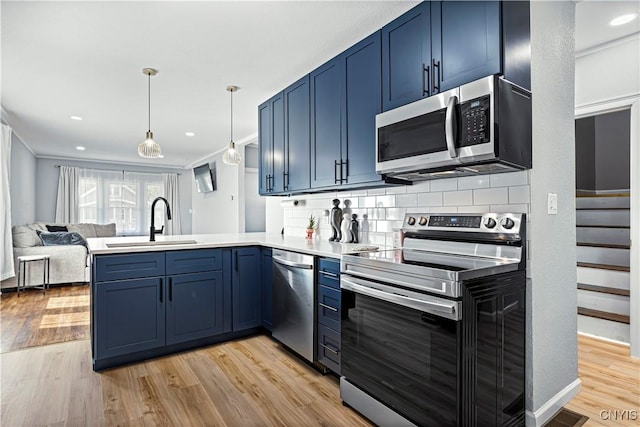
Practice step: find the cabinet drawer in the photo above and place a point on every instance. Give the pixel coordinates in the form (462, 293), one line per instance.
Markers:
(329, 272)
(329, 307)
(194, 261)
(329, 348)
(128, 266)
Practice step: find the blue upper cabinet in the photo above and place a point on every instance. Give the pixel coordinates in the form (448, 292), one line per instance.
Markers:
(326, 102)
(297, 136)
(246, 288)
(271, 144)
(465, 42)
(362, 100)
(406, 58)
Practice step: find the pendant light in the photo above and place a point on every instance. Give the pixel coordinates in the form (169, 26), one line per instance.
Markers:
(149, 148)
(231, 156)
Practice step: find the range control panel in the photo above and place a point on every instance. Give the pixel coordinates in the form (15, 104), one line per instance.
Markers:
(487, 223)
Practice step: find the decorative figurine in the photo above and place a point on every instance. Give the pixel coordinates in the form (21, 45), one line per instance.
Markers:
(336, 219)
(344, 228)
(354, 229)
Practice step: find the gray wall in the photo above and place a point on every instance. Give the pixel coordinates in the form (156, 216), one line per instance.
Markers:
(22, 183)
(586, 154)
(47, 186)
(552, 358)
(612, 151)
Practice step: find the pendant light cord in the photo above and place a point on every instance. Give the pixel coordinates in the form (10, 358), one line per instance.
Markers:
(149, 98)
(231, 115)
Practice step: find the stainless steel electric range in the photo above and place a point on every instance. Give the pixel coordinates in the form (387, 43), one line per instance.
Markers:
(433, 334)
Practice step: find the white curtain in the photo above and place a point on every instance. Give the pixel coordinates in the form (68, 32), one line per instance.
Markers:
(171, 193)
(6, 259)
(67, 201)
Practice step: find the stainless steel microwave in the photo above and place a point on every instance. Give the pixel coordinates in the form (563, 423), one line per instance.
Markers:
(477, 128)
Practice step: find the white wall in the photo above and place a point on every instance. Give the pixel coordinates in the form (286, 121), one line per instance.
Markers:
(220, 211)
(552, 358)
(22, 183)
(47, 186)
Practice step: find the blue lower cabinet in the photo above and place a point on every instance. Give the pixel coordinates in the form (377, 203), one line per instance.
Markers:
(267, 289)
(195, 306)
(329, 348)
(246, 288)
(129, 316)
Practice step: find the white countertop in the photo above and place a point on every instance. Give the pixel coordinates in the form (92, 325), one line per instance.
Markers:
(315, 246)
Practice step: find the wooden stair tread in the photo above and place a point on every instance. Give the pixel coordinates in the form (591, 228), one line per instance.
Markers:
(620, 318)
(604, 266)
(603, 195)
(604, 226)
(604, 289)
(603, 245)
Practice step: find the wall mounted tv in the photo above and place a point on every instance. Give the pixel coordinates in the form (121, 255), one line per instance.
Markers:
(205, 178)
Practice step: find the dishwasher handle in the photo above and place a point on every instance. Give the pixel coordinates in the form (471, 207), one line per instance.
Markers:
(292, 264)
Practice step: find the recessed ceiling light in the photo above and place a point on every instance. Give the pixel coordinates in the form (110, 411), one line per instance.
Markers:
(190, 134)
(80, 147)
(624, 19)
(75, 118)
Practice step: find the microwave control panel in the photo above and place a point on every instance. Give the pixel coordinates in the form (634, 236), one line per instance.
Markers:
(474, 115)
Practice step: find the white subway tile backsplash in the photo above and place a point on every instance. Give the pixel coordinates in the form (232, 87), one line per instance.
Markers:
(367, 202)
(351, 202)
(510, 209)
(444, 209)
(419, 187)
(491, 196)
(356, 193)
(448, 184)
(376, 192)
(406, 200)
(474, 209)
(388, 226)
(396, 213)
(473, 182)
(458, 198)
(385, 201)
(510, 178)
(377, 213)
(519, 194)
(430, 199)
(400, 189)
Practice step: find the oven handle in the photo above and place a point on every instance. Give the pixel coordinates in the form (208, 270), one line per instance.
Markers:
(433, 305)
(448, 127)
(293, 264)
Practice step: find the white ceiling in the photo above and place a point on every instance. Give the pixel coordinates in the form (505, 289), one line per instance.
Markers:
(85, 58)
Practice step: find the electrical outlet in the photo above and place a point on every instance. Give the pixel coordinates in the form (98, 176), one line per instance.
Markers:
(552, 203)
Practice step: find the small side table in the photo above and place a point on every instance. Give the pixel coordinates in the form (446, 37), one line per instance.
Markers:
(23, 262)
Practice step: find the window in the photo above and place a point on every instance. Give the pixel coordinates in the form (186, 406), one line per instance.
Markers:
(121, 197)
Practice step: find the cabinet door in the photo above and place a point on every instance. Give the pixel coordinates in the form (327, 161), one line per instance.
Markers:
(129, 316)
(406, 57)
(246, 288)
(362, 101)
(277, 132)
(267, 295)
(326, 89)
(297, 136)
(265, 147)
(465, 38)
(195, 306)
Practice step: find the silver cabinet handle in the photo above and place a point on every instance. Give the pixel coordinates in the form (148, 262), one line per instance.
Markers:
(448, 127)
(328, 307)
(329, 348)
(293, 264)
(326, 273)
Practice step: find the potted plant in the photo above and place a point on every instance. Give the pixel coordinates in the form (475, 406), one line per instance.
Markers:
(311, 226)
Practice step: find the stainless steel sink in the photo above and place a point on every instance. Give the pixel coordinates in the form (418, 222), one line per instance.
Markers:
(157, 243)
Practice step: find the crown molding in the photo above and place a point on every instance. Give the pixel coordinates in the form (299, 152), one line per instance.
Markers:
(607, 45)
(110, 162)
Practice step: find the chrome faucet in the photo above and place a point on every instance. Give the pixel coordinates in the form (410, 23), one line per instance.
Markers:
(152, 229)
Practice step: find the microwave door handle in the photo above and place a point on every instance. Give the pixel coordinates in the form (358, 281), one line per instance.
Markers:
(448, 127)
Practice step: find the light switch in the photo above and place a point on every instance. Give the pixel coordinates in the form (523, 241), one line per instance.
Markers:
(552, 203)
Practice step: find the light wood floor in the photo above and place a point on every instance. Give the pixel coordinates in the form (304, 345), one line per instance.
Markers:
(36, 318)
(610, 382)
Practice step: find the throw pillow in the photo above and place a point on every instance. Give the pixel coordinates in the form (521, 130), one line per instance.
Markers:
(25, 237)
(57, 238)
(52, 228)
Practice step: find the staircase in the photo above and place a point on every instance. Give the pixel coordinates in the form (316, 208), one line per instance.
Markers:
(603, 254)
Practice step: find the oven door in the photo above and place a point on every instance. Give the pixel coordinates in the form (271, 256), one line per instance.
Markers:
(403, 349)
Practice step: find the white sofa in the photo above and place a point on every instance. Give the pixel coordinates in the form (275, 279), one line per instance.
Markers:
(68, 263)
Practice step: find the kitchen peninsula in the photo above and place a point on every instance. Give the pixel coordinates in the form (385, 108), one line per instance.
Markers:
(150, 299)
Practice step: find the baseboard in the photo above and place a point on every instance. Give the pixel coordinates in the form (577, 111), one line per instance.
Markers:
(609, 340)
(547, 411)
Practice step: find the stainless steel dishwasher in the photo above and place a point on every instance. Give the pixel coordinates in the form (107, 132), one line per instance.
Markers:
(293, 303)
